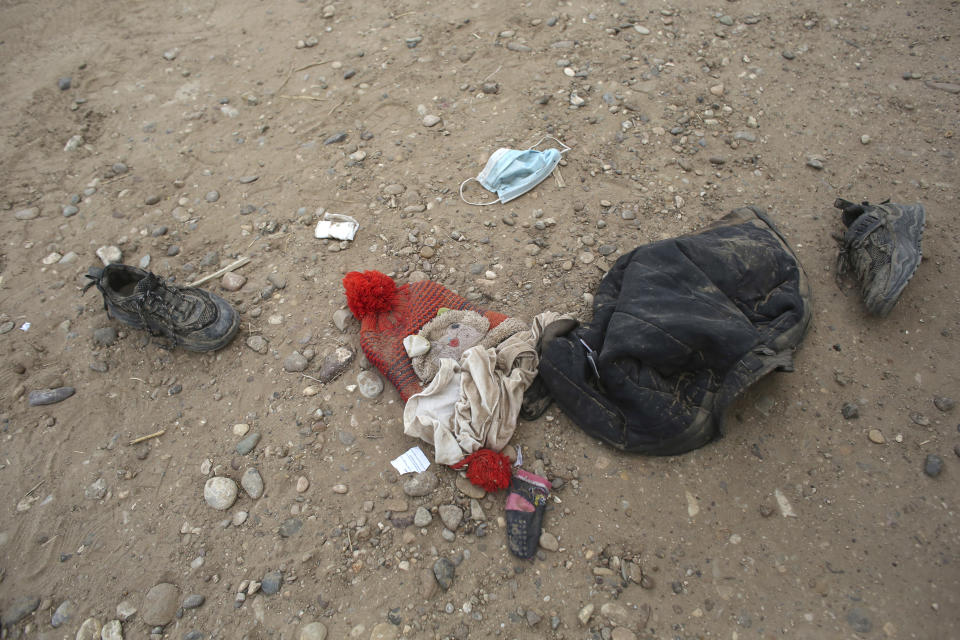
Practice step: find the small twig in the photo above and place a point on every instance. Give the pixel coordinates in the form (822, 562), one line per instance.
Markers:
(493, 74)
(312, 378)
(312, 64)
(371, 436)
(35, 487)
(138, 380)
(115, 179)
(216, 274)
(558, 177)
(285, 80)
(50, 540)
(403, 14)
(316, 98)
(156, 434)
(476, 36)
(349, 541)
(336, 107)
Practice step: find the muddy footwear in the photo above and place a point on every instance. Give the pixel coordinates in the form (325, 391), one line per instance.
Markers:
(526, 503)
(882, 247)
(192, 318)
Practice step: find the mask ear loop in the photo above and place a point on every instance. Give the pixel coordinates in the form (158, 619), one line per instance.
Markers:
(565, 147)
(479, 204)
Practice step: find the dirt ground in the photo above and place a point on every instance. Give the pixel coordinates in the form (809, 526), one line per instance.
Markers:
(795, 524)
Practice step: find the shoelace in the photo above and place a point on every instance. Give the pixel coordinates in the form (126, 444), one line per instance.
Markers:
(851, 208)
(155, 292)
(157, 295)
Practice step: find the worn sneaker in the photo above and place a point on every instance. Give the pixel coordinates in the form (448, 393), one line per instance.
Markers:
(192, 318)
(882, 247)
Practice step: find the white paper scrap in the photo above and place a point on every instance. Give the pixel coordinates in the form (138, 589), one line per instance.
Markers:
(413, 461)
(336, 226)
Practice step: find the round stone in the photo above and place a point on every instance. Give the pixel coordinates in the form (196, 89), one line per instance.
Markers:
(340, 488)
(313, 631)
(241, 429)
(220, 493)
(302, 484)
(384, 631)
(422, 517)
(876, 436)
(430, 120)
(212, 196)
(295, 362)
(451, 515)
(933, 465)
(63, 613)
(112, 631)
(370, 384)
(549, 541)
(89, 630)
(160, 603)
(421, 484)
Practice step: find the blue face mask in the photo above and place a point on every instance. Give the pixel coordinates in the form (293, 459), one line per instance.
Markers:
(510, 173)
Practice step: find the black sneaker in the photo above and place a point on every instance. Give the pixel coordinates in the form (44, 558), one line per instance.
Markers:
(882, 247)
(192, 318)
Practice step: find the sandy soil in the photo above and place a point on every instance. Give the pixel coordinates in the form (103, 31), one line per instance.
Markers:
(715, 106)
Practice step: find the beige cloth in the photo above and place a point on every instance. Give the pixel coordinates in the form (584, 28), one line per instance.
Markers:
(474, 403)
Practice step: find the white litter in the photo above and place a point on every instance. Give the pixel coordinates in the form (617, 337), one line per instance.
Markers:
(786, 510)
(412, 461)
(336, 226)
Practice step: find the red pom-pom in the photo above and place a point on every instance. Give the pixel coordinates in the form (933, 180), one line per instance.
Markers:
(370, 292)
(487, 469)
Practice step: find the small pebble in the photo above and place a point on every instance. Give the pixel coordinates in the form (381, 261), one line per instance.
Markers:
(252, 483)
(850, 411)
(302, 484)
(944, 403)
(212, 196)
(430, 120)
(876, 436)
(444, 571)
(336, 138)
(340, 489)
(933, 465)
(370, 384)
(247, 445)
(271, 583)
(64, 83)
(43, 397)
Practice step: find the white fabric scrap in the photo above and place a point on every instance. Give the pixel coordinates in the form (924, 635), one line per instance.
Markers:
(336, 226)
(474, 403)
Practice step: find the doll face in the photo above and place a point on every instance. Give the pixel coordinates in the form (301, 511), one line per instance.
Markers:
(455, 339)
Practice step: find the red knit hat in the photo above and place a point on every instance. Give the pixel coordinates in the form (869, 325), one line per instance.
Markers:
(388, 314)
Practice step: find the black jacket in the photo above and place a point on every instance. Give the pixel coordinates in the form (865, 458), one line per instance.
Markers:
(680, 328)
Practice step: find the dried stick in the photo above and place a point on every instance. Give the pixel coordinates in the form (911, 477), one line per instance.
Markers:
(216, 274)
(156, 434)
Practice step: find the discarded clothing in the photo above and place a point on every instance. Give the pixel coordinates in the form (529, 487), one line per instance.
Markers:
(388, 314)
(680, 328)
(473, 403)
